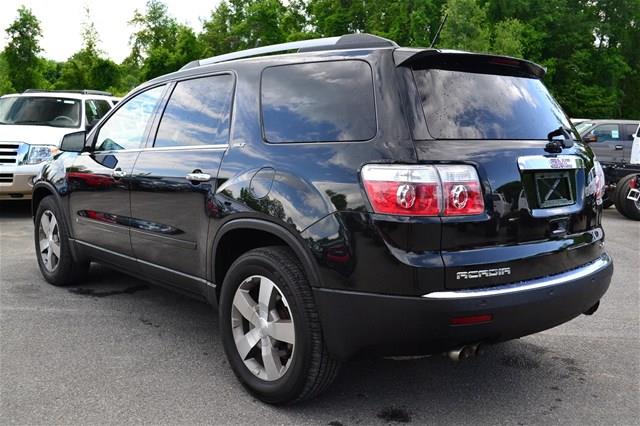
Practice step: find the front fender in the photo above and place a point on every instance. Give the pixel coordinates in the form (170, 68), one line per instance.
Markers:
(52, 180)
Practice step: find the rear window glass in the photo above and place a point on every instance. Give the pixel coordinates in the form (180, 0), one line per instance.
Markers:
(318, 102)
(466, 105)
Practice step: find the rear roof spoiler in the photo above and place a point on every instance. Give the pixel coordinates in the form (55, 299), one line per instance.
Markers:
(411, 56)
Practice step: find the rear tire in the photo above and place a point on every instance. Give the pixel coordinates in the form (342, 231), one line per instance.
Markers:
(628, 208)
(303, 366)
(53, 248)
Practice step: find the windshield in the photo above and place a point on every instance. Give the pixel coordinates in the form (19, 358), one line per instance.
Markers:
(466, 105)
(581, 127)
(40, 111)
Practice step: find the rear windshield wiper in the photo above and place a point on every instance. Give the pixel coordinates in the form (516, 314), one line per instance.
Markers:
(555, 146)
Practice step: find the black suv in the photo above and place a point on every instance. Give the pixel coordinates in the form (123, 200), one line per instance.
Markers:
(353, 196)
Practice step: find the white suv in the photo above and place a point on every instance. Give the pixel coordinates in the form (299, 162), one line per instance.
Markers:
(32, 125)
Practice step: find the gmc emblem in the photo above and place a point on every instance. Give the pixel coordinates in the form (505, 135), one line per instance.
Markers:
(560, 163)
(483, 273)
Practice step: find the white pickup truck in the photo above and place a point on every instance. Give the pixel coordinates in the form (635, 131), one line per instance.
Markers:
(32, 125)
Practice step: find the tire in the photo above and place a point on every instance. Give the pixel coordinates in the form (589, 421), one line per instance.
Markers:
(628, 208)
(53, 250)
(301, 367)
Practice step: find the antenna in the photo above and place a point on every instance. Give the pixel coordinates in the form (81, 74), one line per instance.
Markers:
(435, 38)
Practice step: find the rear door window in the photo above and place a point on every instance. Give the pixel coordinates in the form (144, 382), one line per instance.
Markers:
(467, 105)
(318, 102)
(197, 113)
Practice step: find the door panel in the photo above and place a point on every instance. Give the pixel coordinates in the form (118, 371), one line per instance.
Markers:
(99, 201)
(99, 181)
(170, 212)
(174, 181)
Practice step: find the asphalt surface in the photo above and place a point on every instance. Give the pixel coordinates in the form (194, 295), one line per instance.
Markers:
(118, 351)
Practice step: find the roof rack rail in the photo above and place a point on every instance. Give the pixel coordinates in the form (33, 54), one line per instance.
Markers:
(347, 41)
(82, 92)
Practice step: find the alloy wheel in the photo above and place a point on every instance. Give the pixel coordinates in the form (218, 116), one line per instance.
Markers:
(49, 240)
(263, 328)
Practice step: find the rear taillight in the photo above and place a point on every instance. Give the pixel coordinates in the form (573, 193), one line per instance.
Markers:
(410, 190)
(403, 190)
(596, 184)
(462, 192)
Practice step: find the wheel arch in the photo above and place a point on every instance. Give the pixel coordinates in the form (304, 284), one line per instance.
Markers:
(226, 247)
(40, 191)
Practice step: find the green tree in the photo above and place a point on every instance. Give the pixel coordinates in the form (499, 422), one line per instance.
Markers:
(155, 29)
(21, 52)
(5, 81)
(409, 23)
(161, 45)
(243, 24)
(87, 69)
(338, 17)
(509, 38)
(467, 26)
(216, 37)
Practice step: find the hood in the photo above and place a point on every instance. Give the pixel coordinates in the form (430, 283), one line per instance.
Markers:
(34, 135)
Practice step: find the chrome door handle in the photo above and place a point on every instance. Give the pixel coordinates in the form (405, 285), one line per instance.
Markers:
(618, 147)
(199, 177)
(118, 173)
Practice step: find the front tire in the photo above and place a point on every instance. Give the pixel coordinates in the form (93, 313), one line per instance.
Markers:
(271, 329)
(53, 248)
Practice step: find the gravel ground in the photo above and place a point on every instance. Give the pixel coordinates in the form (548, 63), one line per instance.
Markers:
(120, 351)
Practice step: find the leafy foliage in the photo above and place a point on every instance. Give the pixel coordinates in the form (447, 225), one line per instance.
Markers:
(589, 47)
(21, 53)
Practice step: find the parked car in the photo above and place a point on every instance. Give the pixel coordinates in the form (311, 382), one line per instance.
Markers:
(612, 142)
(337, 200)
(32, 125)
(627, 182)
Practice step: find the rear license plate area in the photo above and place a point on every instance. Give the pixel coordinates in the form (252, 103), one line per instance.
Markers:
(554, 189)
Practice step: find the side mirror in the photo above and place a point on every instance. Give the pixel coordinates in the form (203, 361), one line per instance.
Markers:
(591, 138)
(73, 142)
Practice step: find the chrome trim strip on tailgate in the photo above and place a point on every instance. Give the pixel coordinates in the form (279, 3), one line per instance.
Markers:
(536, 284)
(557, 162)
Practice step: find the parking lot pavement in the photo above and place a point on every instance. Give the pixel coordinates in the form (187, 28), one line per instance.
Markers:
(116, 351)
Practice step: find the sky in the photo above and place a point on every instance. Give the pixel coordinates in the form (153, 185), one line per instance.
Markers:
(61, 22)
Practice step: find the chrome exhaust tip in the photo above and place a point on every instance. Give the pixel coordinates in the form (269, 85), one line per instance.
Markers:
(463, 352)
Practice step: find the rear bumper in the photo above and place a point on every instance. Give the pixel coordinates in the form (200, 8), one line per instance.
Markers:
(17, 182)
(399, 325)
